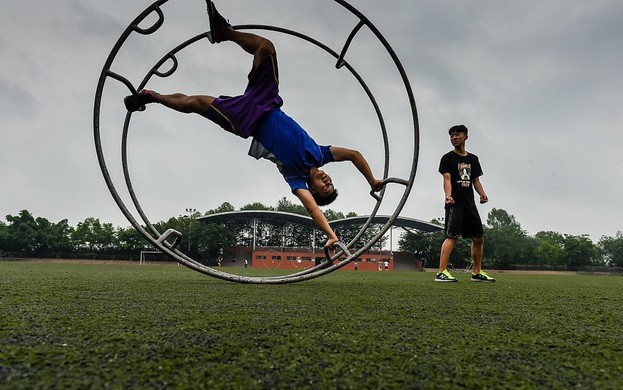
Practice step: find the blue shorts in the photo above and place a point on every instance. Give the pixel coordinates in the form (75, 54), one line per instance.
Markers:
(240, 114)
(463, 222)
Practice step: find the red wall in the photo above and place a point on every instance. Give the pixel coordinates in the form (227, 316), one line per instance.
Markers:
(285, 259)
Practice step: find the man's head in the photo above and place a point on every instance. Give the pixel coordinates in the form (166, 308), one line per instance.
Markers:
(458, 135)
(458, 129)
(321, 187)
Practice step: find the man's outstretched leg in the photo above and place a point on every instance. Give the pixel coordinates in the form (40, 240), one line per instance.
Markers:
(220, 31)
(179, 102)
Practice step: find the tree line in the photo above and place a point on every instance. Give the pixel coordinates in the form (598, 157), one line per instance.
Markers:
(27, 236)
(507, 245)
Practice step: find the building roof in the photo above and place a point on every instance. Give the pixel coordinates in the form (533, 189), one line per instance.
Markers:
(281, 216)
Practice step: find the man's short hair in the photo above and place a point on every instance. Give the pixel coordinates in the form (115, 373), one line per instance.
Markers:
(325, 200)
(458, 129)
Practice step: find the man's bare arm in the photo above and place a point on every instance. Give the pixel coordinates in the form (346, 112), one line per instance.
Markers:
(316, 214)
(447, 188)
(480, 190)
(354, 156)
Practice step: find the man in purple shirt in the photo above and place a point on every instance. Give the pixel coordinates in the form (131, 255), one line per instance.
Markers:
(257, 114)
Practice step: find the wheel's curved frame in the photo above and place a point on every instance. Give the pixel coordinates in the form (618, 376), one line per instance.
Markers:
(168, 241)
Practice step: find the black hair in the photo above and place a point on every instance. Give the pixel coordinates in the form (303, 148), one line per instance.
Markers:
(458, 129)
(325, 200)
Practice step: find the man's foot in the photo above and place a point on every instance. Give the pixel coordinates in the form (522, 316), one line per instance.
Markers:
(445, 276)
(482, 277)
(219, 26)
(137, 101)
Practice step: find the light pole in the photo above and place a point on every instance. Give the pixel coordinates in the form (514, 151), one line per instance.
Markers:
(190, 212)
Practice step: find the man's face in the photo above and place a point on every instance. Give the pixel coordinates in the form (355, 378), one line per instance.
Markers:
(457, 138)
(321, 183)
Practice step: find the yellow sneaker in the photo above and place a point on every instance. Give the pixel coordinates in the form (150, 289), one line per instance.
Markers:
(482, 276)
(445, 276)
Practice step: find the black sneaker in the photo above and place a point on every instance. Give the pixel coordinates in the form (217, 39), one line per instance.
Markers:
(137, 101)
(219, 26)
(482, 276)
(445, 276)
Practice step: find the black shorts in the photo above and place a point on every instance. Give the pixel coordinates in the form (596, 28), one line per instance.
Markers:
(463, 222)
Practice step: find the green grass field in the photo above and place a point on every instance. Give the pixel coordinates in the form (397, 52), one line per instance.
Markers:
(128, 326)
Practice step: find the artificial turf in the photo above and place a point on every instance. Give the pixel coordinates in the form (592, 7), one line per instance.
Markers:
(127, 326)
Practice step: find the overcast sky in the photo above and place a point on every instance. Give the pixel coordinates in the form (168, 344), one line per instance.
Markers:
(538, 83)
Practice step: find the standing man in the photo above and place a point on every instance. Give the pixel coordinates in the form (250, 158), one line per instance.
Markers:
(461, 176)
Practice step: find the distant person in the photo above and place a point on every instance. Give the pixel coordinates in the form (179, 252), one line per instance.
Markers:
(461, 176)
(257, 114)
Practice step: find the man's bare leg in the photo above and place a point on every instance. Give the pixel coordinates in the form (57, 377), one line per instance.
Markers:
(446, 251)
(477, 253)
(254, 44)
(197, 104)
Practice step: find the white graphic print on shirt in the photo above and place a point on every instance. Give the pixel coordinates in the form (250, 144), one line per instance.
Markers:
(465, 173)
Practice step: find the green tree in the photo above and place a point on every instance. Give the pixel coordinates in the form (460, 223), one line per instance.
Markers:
(425, 246)
(332, 215)
(201, 241)
(612, 248)
(288, 207)
(579, 251)
(255, 206)
(93, 236)
(187, 226)
(549, 248)
(292, 234)
(243, 230)
(501, 218)
(58, 238)
(130, 241)
(553, 237)
(36, 237)
(211, 239)
(22, 234)
(505, 242)
(4, 237)
(223, 208)
(550, 253)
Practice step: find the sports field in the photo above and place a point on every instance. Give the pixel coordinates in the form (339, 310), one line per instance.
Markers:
(119, 326)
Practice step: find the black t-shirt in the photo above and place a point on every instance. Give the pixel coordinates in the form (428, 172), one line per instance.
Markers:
(462, 170)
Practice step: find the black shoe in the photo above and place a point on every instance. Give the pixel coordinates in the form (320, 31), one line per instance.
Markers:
(445, 276)
(137, 101)
(219, 26)
(482, 276)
